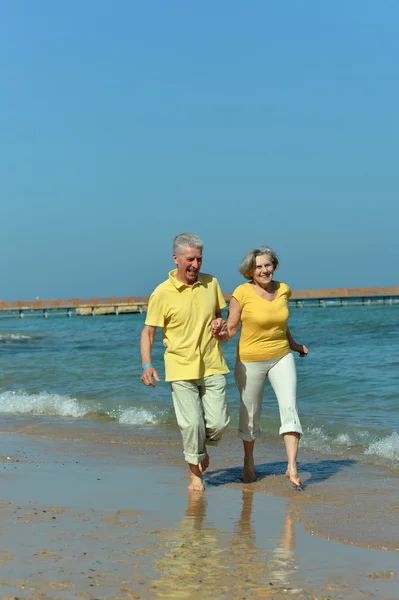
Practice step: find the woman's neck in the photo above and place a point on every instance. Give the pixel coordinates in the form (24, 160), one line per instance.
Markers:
(270, 287)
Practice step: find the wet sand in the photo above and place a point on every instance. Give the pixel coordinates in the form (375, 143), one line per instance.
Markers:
(104, 515)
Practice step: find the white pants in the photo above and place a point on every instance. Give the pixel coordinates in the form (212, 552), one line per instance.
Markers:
(250, 378)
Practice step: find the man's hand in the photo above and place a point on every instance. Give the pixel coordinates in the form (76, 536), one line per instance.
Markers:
(148, 376)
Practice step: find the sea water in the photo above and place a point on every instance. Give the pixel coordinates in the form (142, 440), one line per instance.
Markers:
(63, 370)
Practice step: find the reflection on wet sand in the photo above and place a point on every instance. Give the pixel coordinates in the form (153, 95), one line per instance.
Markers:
(202, 561)
(281, 562)
(284, 552)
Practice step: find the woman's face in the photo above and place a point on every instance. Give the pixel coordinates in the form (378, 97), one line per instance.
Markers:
(263, 272)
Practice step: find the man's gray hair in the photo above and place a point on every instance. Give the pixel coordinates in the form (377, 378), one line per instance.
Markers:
(186, 240)
(249, 261)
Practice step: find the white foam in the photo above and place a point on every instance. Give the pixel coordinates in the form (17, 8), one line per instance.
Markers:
(344, 439)
(140, 416)
(14, 337)
(315, 439)
(21, 402)
(387, 447)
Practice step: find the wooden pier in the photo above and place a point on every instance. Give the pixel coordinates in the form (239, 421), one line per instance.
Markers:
(345, 297)
(77, 306)
(138, 304)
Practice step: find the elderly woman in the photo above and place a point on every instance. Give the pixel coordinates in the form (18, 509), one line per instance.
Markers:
(263, 350)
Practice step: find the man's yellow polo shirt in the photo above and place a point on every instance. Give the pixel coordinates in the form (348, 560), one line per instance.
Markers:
(185, 314)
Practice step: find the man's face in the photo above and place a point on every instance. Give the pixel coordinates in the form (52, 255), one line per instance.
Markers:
(188, 263)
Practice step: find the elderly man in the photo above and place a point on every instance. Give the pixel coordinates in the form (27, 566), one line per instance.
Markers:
(187, 306)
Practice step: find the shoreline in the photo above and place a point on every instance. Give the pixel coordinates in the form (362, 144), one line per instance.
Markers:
(119, 512)
(350, 493)
(87, 520)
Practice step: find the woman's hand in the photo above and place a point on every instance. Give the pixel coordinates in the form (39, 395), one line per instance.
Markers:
(301, 349)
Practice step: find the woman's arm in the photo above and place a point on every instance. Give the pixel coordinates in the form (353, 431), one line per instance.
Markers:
(300, 348)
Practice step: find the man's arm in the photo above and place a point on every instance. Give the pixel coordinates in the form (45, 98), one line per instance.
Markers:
(146, 343)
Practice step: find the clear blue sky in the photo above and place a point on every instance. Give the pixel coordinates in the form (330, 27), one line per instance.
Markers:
(124, 123)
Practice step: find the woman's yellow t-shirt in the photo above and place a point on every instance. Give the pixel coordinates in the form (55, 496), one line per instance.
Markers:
(263, 324)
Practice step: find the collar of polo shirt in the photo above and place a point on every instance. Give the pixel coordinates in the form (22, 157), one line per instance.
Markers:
(180, 284)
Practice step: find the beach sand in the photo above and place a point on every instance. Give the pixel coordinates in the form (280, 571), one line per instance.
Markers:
(105, 514)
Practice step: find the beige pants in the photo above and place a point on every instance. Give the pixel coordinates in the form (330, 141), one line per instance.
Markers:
(250, 378)
(201, 413)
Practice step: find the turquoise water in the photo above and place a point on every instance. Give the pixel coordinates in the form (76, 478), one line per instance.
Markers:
(89, 368)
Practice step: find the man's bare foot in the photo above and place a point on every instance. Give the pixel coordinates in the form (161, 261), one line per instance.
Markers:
(196, 484)
(293, 476)
(204, 464)
(248, 472)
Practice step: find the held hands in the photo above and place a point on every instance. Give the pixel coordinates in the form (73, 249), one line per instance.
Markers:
(217, 325)
(219, 329)
(148, 376)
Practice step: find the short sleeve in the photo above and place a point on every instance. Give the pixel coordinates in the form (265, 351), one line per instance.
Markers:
(220, 301)
(239, 295)
(288, 291)
(155, 313)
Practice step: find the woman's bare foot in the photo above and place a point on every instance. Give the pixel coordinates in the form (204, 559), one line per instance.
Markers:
(196, 484)
(248, 472)
(204, 464)
(293, 476)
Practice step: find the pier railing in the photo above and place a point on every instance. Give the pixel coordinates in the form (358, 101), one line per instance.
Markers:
(345, 293)
(73, 303)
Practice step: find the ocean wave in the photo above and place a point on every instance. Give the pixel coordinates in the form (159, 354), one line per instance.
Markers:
(21, 402)
(141, 416)
(354, 444)
(316, 439)
(386, 447)
(9, 338)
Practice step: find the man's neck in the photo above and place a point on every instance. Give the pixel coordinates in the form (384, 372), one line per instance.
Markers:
(181, 279)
